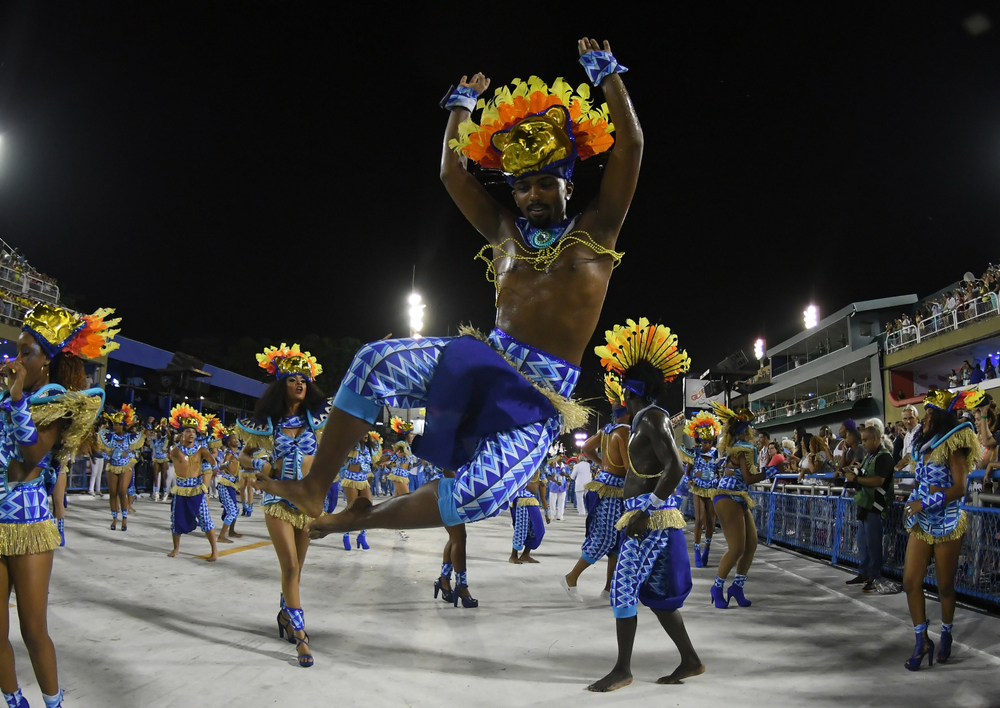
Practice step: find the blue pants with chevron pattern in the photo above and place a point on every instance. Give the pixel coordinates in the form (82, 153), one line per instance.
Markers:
(655, 569)
(227, 497)
(398, 373)
(602, 536)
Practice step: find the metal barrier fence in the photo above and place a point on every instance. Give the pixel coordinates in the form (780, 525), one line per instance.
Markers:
(824, 526)
(78, 477)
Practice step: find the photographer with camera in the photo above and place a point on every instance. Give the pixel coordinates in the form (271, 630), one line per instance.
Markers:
(872, 478)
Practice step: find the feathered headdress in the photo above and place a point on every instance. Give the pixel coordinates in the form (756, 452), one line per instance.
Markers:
(184, 416)
(740, 420)
(216, 431)
(126, 416)
(643, 342)
(400, 426)
(945, 400)
(534, 128)
(289, 361)
(58, 330)
(613, 389)
(376, 437)
(703, 426)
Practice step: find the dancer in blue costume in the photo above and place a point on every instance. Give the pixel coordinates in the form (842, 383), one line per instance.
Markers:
(653, 566)
(159, 438)
(948, 449)
(703, 465)
(229, 484)
(46, 416)
(354, 479)
(609, 449)
(119, 444)
(189, 506)
(733, 504)
(495, 404)
(288, 422)
(454, 557)
(526, 517)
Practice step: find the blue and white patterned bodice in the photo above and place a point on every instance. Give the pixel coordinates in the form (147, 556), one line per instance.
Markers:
(705, 468)
(292, 451)
(541, 367)
(733, 480)
(941, 521)
(159, 447)
(120, 446)
(9, 449)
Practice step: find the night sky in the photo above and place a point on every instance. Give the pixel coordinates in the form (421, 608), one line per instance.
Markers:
(272, 168)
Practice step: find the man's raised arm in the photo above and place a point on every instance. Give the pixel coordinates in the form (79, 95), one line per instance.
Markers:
(482, 210)
(622, 171)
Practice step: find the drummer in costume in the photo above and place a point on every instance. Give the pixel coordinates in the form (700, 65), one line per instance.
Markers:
(46, 416)
(653, 566)
(288, 421)
(703, 465)
(119, 445)
(733, 504)
(948, 449)
(609, 449)
(228, 481)
(189, 506)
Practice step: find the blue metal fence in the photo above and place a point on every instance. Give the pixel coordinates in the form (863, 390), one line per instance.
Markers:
(825, 526)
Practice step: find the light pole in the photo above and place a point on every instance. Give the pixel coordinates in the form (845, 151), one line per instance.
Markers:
(811, 316)
(416, 313)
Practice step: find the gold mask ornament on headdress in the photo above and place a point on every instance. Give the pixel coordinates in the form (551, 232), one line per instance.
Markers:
(56, 324)
(535, 142)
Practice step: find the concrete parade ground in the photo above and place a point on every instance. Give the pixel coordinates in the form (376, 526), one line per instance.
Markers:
(133, 627)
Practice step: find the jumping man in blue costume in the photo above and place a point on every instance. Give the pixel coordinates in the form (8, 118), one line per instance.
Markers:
(653, 566)
(495, 404)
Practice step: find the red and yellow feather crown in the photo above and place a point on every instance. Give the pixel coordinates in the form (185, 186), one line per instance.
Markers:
(126, 416)
(289, 361)
(400, 426)
(961, 400)
(703, 426)
(565, 126)
(59, 330)
(184, 416)
(613, 389)
(636, 342)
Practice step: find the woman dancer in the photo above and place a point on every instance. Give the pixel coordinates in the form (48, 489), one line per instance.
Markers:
(703, 466)
(454, 556)
(947, 451)
(354, 479)
(160, 441)
(733, 504)
(46, 415)
(402, 458)
(229, 471)
(287, 421)
(119, 445)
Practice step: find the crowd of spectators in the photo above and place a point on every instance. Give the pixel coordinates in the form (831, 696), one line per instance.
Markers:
(967, 301)
(850, 391)
(21, 286)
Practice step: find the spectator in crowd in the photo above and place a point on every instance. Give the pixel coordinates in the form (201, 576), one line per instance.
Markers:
(990, 372)
(880, 426)
(977, 376)
(763, 440)
(775, 458)
(581, 477)
(838, 450)
(872, 477)
(906, 463)
(820, 459)
(897, 443)
(854, 452)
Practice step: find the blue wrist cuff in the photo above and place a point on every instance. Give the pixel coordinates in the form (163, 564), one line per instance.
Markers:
(462, 97)
(599, 65)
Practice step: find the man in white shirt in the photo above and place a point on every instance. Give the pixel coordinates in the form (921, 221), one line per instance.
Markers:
(906, 464)
(581, 477)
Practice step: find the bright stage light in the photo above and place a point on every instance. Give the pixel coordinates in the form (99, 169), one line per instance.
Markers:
(416, 313)
(758, 349)
(811, 316)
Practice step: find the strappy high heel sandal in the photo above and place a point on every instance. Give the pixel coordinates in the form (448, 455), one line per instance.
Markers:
(924, 647)
(446, 594)
(305, 660)
(285, 628)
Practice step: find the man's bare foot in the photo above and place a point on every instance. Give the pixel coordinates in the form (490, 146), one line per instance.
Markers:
(682, 672)
(173, 553)
(618, 678)
(526, 558)
(223, 539)
(130, 509)
(214, 557)
(233, 534)
(294, 491)
(342, 522)
(514, 559)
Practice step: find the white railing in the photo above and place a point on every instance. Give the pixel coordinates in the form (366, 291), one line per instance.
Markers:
(28, 286)
(972, 311)
(817, 403)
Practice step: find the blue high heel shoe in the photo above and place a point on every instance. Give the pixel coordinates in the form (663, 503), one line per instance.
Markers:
(363, 542)
(285, 628)
(467, 602)
(737, 592)
(704, 556)
(446, 594)
(944, 652)
(720, 602)
(347, 541)
(697, 559)
(924, 647)
(305, 660)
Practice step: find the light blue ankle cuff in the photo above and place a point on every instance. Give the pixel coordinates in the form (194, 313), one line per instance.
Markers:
(356, 405)
(446, 502)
